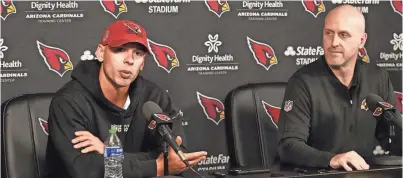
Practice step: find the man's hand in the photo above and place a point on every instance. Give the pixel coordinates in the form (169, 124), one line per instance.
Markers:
(175, 164)
(89, 142)
(352, 158)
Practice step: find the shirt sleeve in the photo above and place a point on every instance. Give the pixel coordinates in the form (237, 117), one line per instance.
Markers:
(65, 118)
(294, 126)
(383, 127)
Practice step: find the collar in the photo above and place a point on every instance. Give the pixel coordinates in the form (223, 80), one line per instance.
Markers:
(127, 103)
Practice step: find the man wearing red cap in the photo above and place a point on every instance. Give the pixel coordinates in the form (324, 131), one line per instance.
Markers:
(106, 94)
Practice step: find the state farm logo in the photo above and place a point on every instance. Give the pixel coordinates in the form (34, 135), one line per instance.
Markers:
(356, 3)
(379, 151)
(304, 51)
(161, 8)
(306, 55)
(87, 56)
(213, 162)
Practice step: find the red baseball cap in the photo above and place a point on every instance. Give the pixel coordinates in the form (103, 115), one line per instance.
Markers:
(124, 31)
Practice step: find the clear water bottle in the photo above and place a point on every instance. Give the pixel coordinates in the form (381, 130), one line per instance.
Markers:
(113, 156)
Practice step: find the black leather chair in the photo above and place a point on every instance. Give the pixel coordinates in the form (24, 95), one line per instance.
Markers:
(24, 136)
(251, 117)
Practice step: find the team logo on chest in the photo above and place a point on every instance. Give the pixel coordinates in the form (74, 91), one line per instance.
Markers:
(364, 105)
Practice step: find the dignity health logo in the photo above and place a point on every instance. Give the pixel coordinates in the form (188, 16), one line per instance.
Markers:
(397, 43)
(214, 62)
(392, 59)
(213, 43)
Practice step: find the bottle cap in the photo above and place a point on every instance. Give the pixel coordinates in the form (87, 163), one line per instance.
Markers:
(112, 131)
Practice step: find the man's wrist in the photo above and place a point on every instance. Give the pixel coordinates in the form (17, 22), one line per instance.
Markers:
(160, 167)
(333, 161)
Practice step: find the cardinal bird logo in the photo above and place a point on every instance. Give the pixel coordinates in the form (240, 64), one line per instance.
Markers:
(218, 7)
(364, 105)
(44, 125)
(7, 8)
(212, 107)
(315, 7)
(363, 55)
(386, 105)
(114, 7)
(273, 112)
(56, 59)
(397, 6)
(378, 111)
(133, 29)
(399, 101)
(152, 125)
(263, 53)
(162, 117)
(164, 56)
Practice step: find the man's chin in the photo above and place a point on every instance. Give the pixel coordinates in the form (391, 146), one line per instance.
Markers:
(335, 66)
(123, 83)
(334, 63)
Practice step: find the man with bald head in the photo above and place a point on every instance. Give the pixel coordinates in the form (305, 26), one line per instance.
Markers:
(324, 121)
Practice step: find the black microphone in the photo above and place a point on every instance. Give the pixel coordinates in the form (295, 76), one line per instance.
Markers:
(157, 121)
(384, 109)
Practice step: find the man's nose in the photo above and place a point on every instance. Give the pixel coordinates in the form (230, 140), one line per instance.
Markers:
(129, 59)
(335, 41)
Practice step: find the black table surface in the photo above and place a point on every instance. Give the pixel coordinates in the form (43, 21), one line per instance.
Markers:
(288, 171)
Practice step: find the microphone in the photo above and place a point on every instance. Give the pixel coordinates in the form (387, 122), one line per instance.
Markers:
(379, 107)
(162, 124)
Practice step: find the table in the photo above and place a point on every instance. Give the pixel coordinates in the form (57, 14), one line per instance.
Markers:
(374, 172)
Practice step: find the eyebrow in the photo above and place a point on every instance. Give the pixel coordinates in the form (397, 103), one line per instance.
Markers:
(342, 31)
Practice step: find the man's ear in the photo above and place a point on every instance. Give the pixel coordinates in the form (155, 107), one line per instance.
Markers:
(142, 66)
(363, 40)
(100, 52)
